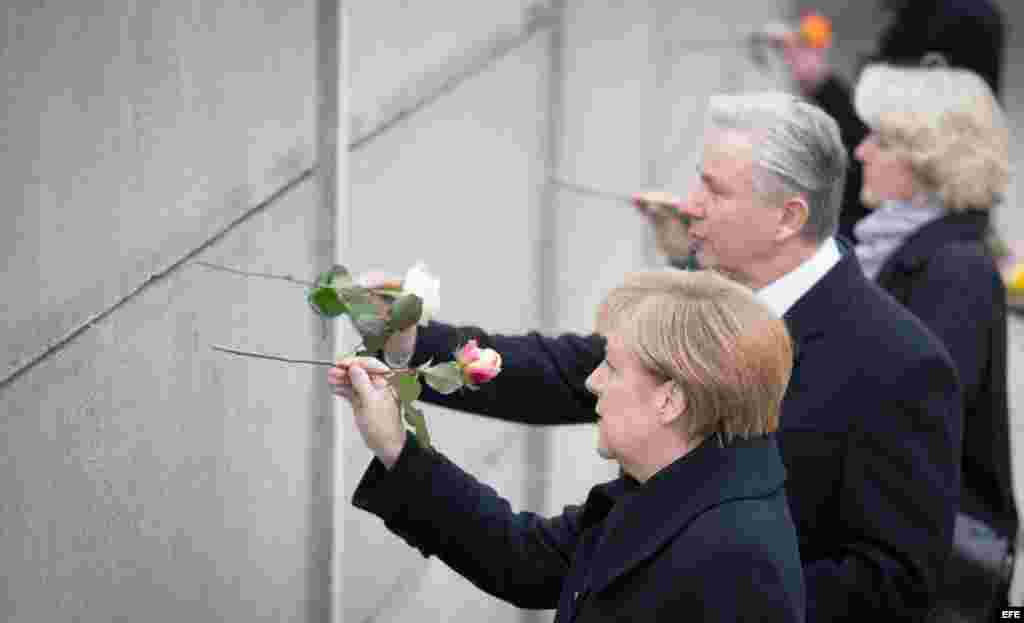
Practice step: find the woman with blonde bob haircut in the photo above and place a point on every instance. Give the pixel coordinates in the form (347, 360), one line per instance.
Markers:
(935, 165)
(697, 526)
(691, 332)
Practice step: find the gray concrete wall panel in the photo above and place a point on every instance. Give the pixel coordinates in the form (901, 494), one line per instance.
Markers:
(402, 51)
(609, 119)
(149, 478)
(458, 185)
(137, 130)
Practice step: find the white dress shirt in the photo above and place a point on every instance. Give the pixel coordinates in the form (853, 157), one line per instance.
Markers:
(785, 291)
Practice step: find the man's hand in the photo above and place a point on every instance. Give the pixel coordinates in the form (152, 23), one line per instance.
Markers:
(400, 347)
(663, 211)
(361, 381)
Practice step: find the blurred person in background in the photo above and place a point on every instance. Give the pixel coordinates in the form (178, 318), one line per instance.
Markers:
(936, 163)
(696, 527)
(871, 419)
(966, 33)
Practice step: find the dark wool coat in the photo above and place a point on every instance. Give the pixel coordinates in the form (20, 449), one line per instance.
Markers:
(708, 538)
(945, 275)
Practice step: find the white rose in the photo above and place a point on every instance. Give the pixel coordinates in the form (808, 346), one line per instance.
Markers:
(420, 282)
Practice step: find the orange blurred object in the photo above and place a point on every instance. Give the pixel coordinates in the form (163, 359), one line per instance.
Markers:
(816, 30)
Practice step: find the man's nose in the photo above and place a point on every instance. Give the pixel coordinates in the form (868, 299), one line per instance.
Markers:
(858, 153)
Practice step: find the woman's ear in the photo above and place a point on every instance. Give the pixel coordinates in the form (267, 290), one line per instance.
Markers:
(672, 402)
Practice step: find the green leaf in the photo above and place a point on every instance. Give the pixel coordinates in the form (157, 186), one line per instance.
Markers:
(445, 378)
(338, 277)
(407, 385)
(418, 422)
(358, 301)
(406, 312)
(374, 343)
(324, 301)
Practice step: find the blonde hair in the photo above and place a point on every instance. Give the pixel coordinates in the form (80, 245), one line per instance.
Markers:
(949, 126)
(730, 356)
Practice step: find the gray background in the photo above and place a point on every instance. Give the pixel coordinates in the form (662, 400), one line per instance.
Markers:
(145, 477)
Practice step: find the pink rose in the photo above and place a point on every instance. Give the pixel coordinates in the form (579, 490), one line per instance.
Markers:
(483, 368)
(478, 365)
(468, 353)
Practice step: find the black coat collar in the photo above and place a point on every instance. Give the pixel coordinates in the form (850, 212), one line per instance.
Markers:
(915, 251)
(817, 308)
(642, 518)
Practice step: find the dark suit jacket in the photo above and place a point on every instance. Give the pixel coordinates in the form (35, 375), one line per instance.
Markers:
(708, 538)
(945, 275)
(969, 33)
(869, 432)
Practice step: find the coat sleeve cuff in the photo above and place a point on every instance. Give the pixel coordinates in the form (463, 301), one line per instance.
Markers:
(389, 493)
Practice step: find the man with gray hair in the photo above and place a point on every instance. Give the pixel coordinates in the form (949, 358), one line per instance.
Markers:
(871, 418)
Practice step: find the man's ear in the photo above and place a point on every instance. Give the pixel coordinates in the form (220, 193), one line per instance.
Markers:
(792, 219)
(672, 402)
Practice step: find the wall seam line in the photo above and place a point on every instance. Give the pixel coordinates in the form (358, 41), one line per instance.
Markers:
(498, 48)
(59, 344)
(540, 21)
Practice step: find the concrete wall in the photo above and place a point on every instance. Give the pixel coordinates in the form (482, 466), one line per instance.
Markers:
(457, 181)
(146, 477)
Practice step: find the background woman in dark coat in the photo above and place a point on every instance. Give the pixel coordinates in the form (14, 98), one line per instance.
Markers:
(935, 164)
(697, 527)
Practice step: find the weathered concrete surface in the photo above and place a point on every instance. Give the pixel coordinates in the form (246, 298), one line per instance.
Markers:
(149, 478)
(457, 185)
(401, 51)
(134, 133)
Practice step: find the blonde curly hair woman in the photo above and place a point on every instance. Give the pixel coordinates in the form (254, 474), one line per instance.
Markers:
(935, 164)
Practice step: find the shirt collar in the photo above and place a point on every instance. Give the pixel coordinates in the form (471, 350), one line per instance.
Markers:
(785, 291)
